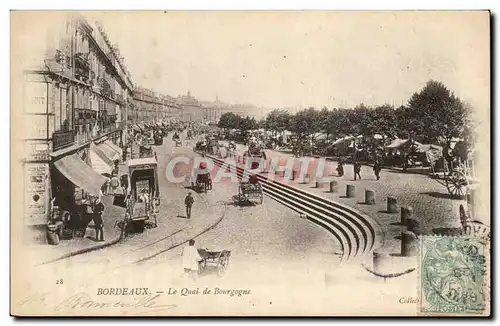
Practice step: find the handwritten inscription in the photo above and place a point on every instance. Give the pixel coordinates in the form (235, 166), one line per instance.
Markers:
(128, 300)
(83, 301)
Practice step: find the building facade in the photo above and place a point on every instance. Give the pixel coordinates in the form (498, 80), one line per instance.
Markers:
(192, 109)
(77, 97)
(150, 106)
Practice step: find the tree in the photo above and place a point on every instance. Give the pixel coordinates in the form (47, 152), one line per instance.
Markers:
(306, 122)
(229, 120)
(439, 113)
(277, 121)
(383, 119)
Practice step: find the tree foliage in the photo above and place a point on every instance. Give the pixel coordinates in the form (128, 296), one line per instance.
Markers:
(229, 120)
(433, 113)
(437, 113)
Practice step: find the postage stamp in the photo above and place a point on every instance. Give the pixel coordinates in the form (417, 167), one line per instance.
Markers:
(452, 275)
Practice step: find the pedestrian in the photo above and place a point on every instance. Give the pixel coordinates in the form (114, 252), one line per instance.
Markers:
(189, 203)
(340, 168)
(97, 218)
(114, 184)
(116, 169)
(377, 168)
(190, 260)
(357, 170)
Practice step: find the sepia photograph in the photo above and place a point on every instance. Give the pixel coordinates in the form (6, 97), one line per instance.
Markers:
(250, 163)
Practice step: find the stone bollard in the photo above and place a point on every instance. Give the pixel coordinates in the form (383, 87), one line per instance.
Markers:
(392, 205)
(413, 225)
(409, 244)
(369, 197)
(382, 263)
(334, 186)
(406, 214)
(319, 184)
(349, 192)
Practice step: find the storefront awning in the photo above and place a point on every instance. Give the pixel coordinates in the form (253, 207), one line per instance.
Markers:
(114, 147)
(80, 174)
(108, 151)
(100, 163)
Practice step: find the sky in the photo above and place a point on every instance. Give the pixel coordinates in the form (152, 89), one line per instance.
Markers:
(301, 59)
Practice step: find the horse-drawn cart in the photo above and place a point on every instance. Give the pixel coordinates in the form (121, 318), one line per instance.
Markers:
(254, 151)
(143, 194)
(201, 179)
(250, 190)
(218, 260)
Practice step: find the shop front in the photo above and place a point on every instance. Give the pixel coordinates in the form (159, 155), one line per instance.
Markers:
(75, 185)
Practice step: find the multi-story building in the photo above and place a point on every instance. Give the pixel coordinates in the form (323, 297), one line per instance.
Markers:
(213, 110)
(75, 100)
(150, 106)
(192, 110)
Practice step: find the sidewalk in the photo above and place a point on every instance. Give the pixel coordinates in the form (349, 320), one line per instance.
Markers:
(173, 229)
(43, 253)
(66, 248)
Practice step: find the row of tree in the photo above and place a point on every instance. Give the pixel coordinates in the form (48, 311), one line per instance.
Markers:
(230, 120)
(432, 115)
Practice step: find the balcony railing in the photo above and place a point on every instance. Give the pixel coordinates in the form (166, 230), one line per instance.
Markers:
(62, 139)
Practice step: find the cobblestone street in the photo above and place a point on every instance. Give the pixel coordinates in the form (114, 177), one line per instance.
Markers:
(430, 201)
(258, 236)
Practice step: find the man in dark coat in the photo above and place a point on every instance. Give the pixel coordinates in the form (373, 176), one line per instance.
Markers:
(377, 168)
(188, 201)
(357, 170)
(98, 223)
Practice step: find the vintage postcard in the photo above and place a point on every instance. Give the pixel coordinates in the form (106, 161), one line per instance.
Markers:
(250, 163)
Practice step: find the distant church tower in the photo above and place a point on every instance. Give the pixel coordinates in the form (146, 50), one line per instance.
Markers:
(189, 94)
(217, 98)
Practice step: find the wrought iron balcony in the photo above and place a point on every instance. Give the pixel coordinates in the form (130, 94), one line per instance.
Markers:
(62, 139)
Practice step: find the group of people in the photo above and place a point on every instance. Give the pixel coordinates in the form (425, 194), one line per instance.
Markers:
(377, 167)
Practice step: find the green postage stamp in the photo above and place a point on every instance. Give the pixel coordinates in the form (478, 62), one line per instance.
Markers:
(452, 275)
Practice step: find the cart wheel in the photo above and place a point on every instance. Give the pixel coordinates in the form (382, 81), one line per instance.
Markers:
(222, 265)
(456, 184)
